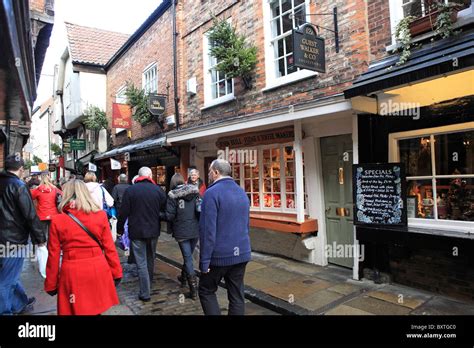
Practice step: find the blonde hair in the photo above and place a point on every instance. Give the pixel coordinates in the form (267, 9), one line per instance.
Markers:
(90, 177)
(46, 181)
(77, 193)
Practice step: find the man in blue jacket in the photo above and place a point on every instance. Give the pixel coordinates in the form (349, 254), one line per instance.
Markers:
(224, 240)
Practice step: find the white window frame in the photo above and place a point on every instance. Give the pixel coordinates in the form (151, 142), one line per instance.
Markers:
(146, 75)
(282, 179)
(120, 98)
(208, 100)
(272, 81)
(394, 156)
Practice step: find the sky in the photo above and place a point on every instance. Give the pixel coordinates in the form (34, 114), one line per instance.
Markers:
(124, 16)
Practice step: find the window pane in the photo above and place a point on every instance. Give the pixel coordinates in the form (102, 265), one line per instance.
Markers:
(421, 192)
(256, 200)
(280, 68)
(247, 186)
(290, 185)
(290, 63)
(255, 185)
(455, 153)
(267, 186)
(214, 75)
(290, 201)
(276, 201)
(276, 185)
(287, 22)
(276, 28)
(455, 199)
(416, 155)
(290, 169)
(229, 86)
(289, 153)
(289, 44)
(221, 88)
(236, 172)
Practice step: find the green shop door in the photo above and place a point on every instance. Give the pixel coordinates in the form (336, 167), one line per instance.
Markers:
(337, 157)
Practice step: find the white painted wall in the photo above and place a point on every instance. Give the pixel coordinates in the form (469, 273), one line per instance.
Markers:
(93, 90)
(39, 136)
(71, 96)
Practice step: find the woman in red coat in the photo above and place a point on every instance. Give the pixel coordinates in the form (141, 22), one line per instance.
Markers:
(84, 282)
(45, 196)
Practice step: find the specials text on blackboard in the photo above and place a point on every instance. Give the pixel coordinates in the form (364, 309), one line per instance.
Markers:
(379, 194)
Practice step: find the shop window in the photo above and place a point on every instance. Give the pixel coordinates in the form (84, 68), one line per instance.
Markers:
(217, 87)
(440, 173)
(270, 185)
(150, 79)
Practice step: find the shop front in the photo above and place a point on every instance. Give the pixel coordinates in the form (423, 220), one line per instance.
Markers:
(278, 161)
(421, 115)
(163, 160)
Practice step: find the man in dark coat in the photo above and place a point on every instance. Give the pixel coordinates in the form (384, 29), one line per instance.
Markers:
(18, 221)
(119, 191)
(142, 204)
(224, 240)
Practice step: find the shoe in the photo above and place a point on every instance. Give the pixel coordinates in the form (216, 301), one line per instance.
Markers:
(183, 278)
(193, 287)
(144, 299)
(29, 306)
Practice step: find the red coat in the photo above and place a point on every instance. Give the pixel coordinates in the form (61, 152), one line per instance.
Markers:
(85, 279)
(46, 197)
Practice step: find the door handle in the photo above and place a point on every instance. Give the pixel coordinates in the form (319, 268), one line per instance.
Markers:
(341, 176)
(328, 210)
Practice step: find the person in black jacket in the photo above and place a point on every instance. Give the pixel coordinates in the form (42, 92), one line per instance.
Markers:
(182, 211)
(119, 191)
(142, 204)
(18, 221)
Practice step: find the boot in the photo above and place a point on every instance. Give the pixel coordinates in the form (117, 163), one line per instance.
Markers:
(193, 287)
(182, 278)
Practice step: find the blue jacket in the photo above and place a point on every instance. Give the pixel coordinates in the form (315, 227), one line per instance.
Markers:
(224, 225)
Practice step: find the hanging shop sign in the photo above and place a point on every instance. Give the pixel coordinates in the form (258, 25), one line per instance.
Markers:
(67, 147)
(52, 167)
(121, 116)
(309, 51)
(379, 194)
(92, 167)
(157, 104)
(78, 144)
(115, 165)
(273, 136)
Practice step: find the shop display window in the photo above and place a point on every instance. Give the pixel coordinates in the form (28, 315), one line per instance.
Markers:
(270, 185)
(440, 174)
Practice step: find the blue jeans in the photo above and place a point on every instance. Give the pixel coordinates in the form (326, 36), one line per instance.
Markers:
(13, 298)
(187, 248)
(144, 251)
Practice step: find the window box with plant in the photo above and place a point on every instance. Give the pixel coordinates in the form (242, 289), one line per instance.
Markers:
(431, 14)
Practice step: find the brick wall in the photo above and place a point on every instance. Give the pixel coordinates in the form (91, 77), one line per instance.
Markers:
(37, 5)
(247, 16)
(154, 46)
(379, 28)
(435, 270)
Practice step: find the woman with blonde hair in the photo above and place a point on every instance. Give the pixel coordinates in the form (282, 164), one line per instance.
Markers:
(46, 197)
(100, 195)
(84, 282)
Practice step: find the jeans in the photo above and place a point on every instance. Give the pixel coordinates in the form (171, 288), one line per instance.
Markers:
(187, 249)
(234, 281)
(13, 298)
(144, 251)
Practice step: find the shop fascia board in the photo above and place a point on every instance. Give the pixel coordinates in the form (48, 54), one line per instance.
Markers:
(422, 94)
(322, 109)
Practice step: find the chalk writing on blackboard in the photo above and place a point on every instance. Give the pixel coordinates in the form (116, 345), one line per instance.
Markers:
(379, 197)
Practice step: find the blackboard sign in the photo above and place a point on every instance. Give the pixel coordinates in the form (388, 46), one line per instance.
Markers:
(379, 194)
(309, 51)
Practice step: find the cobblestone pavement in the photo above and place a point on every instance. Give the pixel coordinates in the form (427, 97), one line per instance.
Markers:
(167, 298)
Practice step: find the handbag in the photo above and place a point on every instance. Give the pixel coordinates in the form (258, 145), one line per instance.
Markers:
(59, 198)
(76, 220)
(111, 211)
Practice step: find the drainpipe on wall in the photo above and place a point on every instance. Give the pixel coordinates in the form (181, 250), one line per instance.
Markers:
(175, 66)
